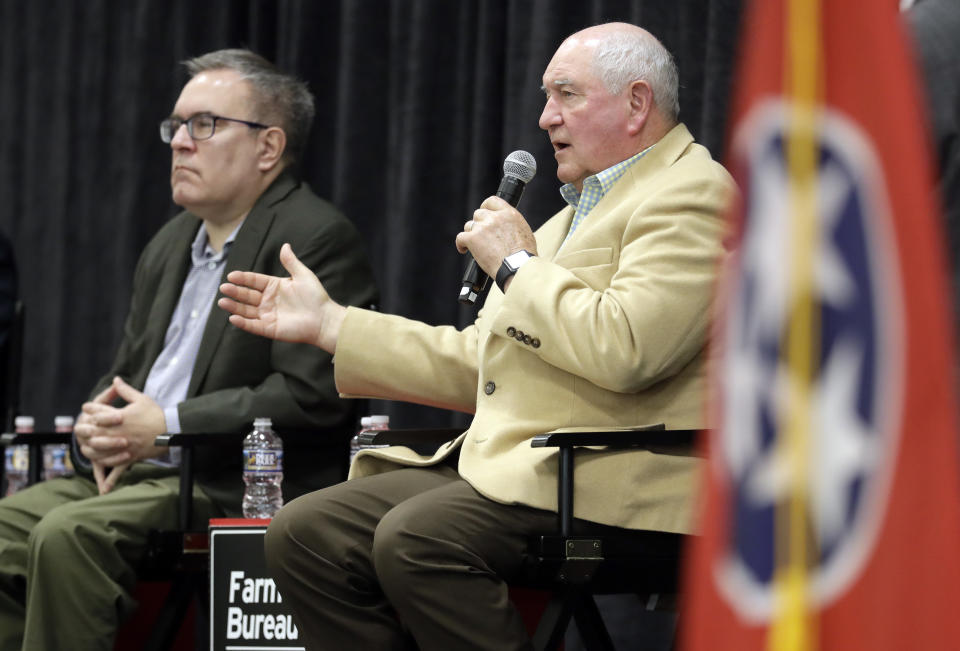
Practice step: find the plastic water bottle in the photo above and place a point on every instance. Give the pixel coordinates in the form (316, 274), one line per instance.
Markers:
(262, 471)
(56, 457)
(367, 424)
(17, 457)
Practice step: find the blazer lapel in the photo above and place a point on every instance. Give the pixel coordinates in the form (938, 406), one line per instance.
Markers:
(243, 254)
(666, 152)
(550, 236)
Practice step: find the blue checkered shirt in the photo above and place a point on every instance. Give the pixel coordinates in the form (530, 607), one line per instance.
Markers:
(595, 187)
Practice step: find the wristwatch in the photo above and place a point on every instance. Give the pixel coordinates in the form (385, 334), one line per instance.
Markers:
(510, 265)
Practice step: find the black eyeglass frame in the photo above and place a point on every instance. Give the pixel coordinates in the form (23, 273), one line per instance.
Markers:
(171, 121)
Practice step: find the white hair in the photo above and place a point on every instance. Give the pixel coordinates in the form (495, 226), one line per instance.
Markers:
(624, 56)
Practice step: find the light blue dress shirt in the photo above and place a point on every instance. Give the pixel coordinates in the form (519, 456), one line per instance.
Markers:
(169, 377)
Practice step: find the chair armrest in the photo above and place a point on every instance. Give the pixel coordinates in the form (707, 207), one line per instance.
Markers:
(649, 435)
(192, 439)
(430, 437)
(34, 438)
(569, 439)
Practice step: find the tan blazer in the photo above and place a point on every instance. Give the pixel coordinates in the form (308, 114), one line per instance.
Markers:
(616, 321)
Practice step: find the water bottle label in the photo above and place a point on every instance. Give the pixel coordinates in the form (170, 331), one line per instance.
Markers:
(58, 459)
(21, 458)
(263, 460)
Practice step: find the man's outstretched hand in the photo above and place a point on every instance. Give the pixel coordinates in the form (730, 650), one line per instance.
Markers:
(295, 309)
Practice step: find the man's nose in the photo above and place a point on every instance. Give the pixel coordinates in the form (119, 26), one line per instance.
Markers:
(181, 138)
(550, 116)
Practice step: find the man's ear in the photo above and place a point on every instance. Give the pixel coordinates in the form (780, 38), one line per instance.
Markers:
(641, 105)
(270, 147)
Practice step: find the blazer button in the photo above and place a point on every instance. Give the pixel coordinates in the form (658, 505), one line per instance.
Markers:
(519, 335)
(527, 339)
(489, 388)
(535, 343)
(511, 331)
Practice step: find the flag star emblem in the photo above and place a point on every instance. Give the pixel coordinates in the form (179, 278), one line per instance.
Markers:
(850, 411)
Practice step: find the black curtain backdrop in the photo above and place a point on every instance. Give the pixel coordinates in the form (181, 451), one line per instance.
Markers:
(418, 103)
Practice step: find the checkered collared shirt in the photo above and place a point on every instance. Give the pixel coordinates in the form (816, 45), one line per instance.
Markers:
(595, 187)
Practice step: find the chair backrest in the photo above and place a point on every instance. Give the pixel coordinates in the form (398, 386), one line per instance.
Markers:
(11, 360)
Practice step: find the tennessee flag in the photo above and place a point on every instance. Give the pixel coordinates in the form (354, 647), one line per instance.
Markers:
(831, 510)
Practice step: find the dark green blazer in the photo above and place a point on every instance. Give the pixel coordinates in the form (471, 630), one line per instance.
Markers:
(238, 376)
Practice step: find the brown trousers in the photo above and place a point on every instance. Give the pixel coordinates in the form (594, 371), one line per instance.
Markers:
(414, 553)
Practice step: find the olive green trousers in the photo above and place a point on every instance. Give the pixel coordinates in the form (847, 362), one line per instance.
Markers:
(68, 556)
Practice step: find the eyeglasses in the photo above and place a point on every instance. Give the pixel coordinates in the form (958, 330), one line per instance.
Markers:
(200, 126)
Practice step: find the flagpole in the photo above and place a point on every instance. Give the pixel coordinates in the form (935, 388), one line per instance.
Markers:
(793, 628)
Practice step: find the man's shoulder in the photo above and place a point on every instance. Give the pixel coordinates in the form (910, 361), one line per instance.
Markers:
(678, 158)
(680, 147)
(314, 227)
(305, 199)
(697, 157)
(677, 169)
(687, 158)
(300, 208)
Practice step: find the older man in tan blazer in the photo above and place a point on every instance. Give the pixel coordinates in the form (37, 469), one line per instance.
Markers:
(599, 319)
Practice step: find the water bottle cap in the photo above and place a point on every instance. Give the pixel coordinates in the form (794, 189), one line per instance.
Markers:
(262, 422)
(63, 421)
(379, 420)
(23, 421)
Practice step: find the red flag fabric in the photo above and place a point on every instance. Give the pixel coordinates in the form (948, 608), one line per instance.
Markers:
(831, 510)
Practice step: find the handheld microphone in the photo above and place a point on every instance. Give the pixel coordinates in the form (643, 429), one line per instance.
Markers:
(518, 169)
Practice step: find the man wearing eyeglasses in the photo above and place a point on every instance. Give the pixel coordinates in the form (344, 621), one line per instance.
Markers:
(69, 548)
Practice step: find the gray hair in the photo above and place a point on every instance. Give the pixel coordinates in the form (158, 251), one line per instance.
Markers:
(279, 99)
(624, 56)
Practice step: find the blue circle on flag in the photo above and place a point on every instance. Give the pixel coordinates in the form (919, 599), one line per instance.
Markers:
(809, 423)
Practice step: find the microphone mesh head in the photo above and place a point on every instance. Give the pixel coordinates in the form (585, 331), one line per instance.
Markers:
(520, 164)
